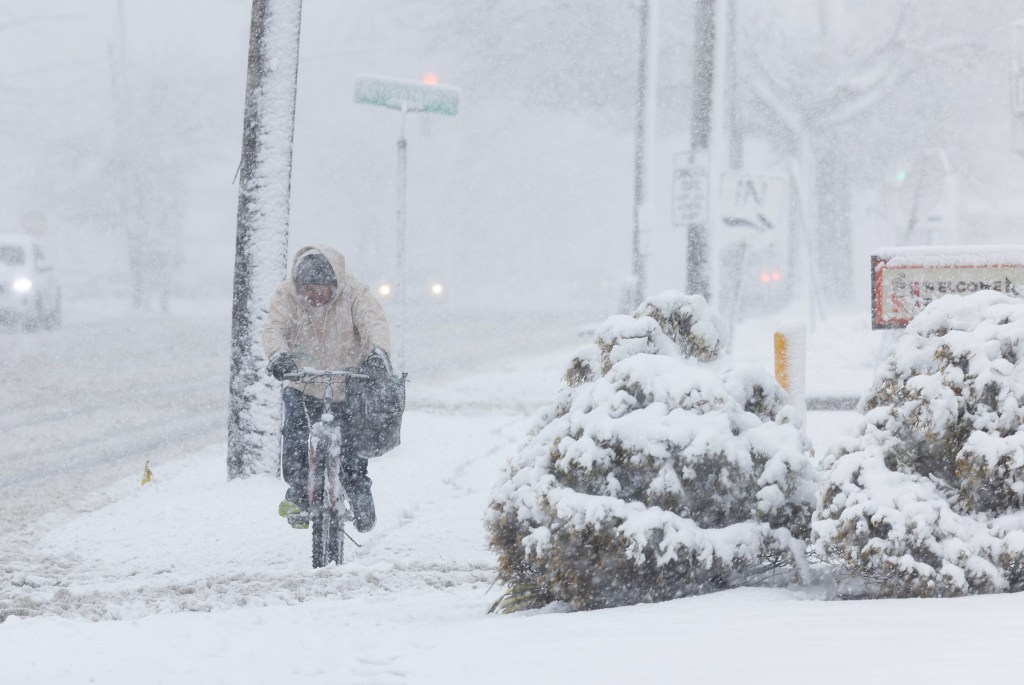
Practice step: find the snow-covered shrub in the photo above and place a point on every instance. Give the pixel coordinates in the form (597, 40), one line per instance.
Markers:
(661, 471)
(927, 500)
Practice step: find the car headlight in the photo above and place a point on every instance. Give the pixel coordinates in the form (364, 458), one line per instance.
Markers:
(22, 285)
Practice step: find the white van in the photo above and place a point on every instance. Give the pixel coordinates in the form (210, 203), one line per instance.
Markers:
(29, 291)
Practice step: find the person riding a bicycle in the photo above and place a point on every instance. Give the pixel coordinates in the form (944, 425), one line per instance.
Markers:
(322, 318)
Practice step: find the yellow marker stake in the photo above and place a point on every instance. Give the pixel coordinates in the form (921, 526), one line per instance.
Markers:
(147, 475)
(782, 360)
(791, 364)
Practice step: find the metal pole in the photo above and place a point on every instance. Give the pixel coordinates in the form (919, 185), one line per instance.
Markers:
(698, 278)
(639, 276)
(400, 247)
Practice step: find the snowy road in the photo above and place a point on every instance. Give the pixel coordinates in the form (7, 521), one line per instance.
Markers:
(92, 401)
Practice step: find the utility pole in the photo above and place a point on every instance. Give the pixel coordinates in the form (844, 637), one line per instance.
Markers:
(639, 284)
(698, 279)
(734, 124)
(261, 243)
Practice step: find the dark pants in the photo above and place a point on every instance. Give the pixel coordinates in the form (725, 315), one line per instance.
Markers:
(300, 411)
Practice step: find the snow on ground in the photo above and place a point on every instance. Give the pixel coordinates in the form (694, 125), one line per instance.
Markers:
(193, 579)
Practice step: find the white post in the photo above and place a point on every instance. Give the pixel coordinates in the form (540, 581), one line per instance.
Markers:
(400, 248)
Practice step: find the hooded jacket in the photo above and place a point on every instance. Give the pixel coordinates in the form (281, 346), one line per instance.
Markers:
(340, 334)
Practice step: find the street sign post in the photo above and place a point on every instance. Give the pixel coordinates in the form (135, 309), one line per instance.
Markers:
(410, 95)
(405, 97)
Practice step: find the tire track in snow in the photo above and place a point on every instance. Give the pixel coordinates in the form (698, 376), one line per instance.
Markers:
(55, 587)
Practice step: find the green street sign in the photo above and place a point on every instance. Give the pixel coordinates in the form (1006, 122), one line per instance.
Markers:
(414, 96)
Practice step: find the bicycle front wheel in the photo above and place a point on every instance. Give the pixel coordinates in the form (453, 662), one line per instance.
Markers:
(328, 525)
(328, 538)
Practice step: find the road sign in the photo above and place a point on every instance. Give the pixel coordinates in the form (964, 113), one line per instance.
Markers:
(412, 95)
(754, 206)
(689, 192)
(906, 280)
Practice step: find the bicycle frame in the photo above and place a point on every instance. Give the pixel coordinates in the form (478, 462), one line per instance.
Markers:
(328, 506)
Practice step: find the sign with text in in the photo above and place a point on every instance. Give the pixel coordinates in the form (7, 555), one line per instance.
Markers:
(411, 95)
(754, 206)
(906, 280)
(689, 192)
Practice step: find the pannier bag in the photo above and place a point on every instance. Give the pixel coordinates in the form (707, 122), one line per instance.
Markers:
(376, 405)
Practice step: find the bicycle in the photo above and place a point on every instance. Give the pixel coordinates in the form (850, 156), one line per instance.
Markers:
(328, 504)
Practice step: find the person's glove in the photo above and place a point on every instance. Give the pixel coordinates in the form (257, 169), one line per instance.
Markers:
(282, 363)
(378, 366)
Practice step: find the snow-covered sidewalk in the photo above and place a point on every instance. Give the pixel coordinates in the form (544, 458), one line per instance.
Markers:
(193, 579)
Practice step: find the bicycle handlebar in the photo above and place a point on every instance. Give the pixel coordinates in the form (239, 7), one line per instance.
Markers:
(307, 375)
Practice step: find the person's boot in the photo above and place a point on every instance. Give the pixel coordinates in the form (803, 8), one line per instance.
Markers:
(296, 516)
(363, 513)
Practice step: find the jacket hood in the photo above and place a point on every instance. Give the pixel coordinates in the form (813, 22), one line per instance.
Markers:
(336, 259)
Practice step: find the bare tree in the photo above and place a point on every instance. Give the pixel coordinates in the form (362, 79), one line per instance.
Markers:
(832, 101)
(262, 237)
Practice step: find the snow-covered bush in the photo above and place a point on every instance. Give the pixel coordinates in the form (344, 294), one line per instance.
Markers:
(927, 500)
(661, 471)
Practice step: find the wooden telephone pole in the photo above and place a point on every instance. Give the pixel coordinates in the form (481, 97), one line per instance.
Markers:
(261, 243)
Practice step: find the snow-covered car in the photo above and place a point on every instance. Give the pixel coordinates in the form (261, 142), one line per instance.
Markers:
(29, 291)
